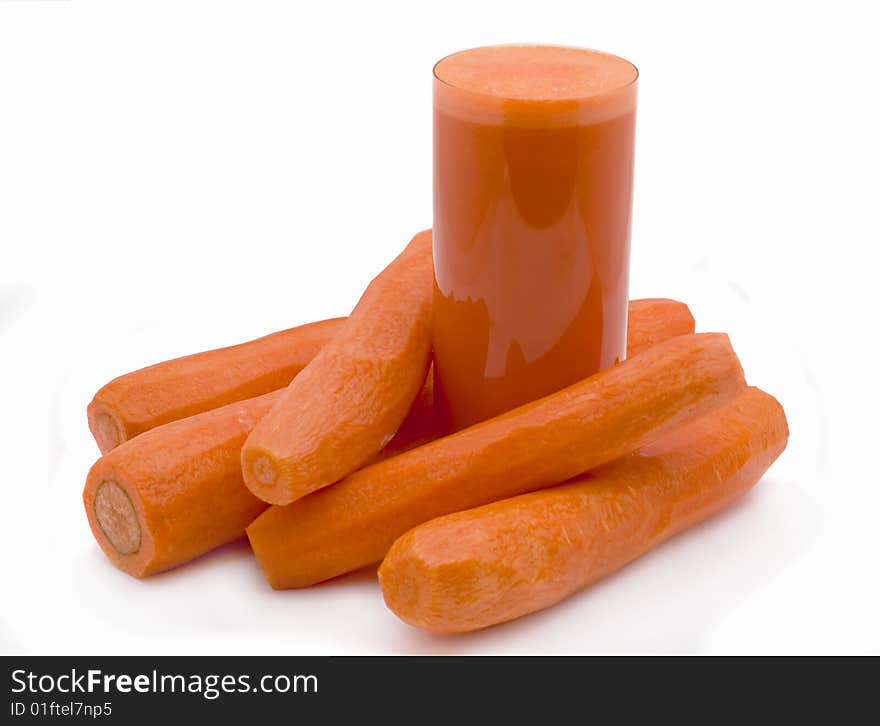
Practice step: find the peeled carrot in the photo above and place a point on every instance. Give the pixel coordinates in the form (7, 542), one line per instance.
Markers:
(175, 492)
(601, 418)
(175, 389)
(497, 562)
(653, 320)
(350, 400)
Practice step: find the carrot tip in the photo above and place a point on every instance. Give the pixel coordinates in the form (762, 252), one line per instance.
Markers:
(263, 470)
(117, 517)
(262, 476)
(107, 431)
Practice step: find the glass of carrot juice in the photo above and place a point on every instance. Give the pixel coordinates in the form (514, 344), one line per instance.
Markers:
(533, 177)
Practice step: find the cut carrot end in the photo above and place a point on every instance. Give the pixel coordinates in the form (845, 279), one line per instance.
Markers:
(263, 477)
(404, 583)
(117, 517)
(107, 431)
(263, 471)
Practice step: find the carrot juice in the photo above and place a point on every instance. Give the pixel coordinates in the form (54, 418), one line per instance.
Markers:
(533, 175)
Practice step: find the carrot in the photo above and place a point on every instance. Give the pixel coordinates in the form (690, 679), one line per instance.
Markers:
(175, 389)
(653, 320)
(601, 418)
(175, 492)
(497, 562)
(350, 400)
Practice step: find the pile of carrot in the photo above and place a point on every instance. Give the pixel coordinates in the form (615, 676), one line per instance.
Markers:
(322, 444)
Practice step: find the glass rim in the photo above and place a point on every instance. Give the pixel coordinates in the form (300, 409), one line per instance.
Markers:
(464, 89)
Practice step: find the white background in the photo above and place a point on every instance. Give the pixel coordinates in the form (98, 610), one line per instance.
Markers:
(176, 176)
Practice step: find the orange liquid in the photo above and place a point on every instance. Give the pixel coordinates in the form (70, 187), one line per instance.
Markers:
(533, 173)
